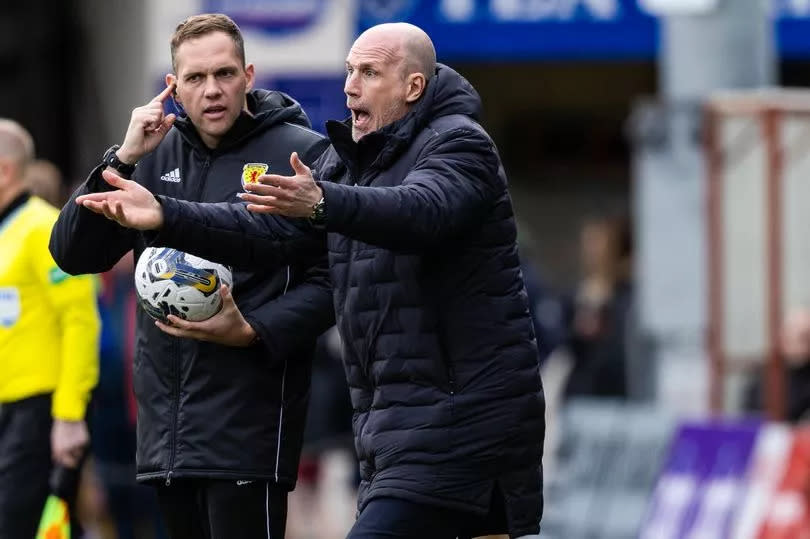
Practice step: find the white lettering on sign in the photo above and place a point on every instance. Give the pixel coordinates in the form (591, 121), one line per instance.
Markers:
(553, 10)
(458, 10)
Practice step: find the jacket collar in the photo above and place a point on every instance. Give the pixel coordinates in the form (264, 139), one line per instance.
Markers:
(21, 199)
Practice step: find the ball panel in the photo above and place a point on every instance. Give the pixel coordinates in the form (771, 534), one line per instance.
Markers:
(168, 281)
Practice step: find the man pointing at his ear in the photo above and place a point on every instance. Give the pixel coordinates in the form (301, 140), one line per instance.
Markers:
(221, 407)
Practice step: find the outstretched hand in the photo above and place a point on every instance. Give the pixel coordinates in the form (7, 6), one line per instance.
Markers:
(131, 205)
(291, 196)
(227, 327)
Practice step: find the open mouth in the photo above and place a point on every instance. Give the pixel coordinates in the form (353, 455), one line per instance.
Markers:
(360, 118)
(214, 111)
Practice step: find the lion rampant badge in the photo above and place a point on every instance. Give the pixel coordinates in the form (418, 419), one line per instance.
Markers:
(252, 171)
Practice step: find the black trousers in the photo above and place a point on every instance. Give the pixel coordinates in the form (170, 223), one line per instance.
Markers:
(393, 518)
(26, 466)
(223, 509)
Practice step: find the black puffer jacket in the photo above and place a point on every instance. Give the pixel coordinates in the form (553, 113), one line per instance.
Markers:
(206, 410)
(438, 342)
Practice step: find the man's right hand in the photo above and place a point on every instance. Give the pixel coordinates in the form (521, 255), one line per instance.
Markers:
(147, 127)
(131, 205)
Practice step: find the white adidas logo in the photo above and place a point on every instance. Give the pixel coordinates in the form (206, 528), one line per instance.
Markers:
(172, 176)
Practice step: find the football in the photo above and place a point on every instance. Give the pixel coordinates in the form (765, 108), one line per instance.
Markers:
(169, 281)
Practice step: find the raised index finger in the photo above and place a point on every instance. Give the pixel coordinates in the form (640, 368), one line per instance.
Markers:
(162, 96)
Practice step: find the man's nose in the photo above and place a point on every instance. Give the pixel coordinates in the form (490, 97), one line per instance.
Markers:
(351, 88)
(212, 86)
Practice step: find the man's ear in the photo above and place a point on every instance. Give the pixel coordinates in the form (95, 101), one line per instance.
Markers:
(172, 79)
(6, 172)
(416, 87)
(250, 73)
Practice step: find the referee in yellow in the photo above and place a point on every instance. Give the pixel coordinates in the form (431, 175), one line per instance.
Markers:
(49, 346)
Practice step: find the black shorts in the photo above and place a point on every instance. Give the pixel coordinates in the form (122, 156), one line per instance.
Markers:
(223, 509)
(25, 466)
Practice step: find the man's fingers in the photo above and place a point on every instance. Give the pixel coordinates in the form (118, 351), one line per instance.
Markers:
(118, 211)
(92, 205)
(179, 323)
(149, 117)
(114, 179)
(167, 123)
(298, 166)
(107, 210)
(172, 330)
(94, 197)
(274, 180)
(255, 200)
(262, 189)
(225, 292)
(262, 208)
(162, 96)
(66, 458)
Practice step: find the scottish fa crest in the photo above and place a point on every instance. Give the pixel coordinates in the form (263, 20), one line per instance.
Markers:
(252, 171)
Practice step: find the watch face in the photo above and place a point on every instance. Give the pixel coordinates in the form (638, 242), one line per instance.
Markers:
(319, 211)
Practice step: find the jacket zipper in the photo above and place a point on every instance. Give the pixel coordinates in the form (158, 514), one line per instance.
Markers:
(175, 410)
(175, 355)
(203, 177)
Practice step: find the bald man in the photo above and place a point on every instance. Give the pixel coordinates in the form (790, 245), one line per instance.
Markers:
(412, 203)
(49, 330)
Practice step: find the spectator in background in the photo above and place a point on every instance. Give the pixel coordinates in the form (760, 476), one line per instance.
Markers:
(795, 347)
(600, 309)
(546, 306)
(44, 180)
(49, 329)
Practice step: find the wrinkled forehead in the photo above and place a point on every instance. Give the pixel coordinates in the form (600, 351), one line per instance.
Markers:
(375, 50)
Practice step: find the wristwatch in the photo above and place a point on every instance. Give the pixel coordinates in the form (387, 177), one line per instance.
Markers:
(111, 160)
(318, 216)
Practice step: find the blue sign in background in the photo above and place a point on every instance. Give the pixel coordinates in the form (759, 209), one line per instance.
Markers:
(524, 29)
(556, 29)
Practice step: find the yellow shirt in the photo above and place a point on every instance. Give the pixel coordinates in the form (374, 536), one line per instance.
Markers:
(49, 324)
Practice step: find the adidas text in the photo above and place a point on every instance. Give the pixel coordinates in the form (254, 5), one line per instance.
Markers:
(171, 176)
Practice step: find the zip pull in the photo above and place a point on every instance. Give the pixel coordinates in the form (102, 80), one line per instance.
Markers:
(169, 479)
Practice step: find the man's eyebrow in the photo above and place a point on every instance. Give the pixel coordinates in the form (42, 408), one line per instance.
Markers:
(361, 65)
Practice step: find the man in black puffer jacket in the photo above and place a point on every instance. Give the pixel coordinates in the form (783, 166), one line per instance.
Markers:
(438, 343)
(221, 408)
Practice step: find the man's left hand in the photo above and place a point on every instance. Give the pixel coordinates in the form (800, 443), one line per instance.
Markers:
(227, 327)
(291, 196)
(69, 439)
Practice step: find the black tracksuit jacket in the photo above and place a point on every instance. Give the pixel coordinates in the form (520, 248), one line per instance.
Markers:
(207, 410)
